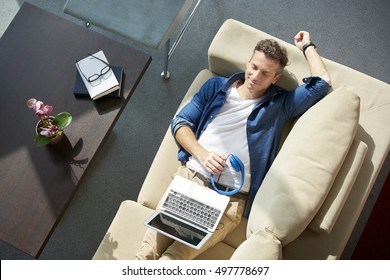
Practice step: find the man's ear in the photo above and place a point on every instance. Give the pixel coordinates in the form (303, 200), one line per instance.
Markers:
(277, 77)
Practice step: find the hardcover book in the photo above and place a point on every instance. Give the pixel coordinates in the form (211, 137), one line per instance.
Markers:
(97, 80)
(80, 90)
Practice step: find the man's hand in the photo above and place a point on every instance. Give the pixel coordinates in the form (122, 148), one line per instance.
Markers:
(212, 162)
(301, 39)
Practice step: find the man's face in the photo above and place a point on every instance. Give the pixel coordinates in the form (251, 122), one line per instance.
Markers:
(261, 72)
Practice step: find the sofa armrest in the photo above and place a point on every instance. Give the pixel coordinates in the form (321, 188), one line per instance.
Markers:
(123, 238)
(329, 212)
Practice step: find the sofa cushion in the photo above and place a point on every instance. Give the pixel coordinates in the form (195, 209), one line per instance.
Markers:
(268, 247)
(327, 216)
(306, 166)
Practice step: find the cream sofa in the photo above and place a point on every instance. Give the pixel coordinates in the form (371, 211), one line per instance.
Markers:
(311, 198)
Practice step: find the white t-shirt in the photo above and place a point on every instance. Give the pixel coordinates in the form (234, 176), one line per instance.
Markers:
(226, 134)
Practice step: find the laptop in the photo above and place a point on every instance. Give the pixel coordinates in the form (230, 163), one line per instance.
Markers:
(188, 212)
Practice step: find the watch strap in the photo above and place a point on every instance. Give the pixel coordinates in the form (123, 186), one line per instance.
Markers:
(308, 44)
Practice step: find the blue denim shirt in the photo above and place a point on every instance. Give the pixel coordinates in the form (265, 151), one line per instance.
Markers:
(264, 125)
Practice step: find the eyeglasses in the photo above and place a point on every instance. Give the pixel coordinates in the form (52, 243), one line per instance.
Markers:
(96, 76)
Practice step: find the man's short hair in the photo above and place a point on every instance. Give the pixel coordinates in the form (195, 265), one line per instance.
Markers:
(273, 50)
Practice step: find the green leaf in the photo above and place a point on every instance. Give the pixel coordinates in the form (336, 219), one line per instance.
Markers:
(41, 140)
(62, 120)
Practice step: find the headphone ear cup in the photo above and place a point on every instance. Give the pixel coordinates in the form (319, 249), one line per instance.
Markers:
(236, 163)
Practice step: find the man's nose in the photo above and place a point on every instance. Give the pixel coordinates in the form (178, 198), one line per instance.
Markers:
(257, 75)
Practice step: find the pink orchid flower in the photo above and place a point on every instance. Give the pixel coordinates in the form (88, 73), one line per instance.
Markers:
(46, 132)
(31, 103)
(48, 126)
(40, 109)
(49, 131)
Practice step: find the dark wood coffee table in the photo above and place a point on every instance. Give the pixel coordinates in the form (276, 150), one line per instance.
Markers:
(38, 52)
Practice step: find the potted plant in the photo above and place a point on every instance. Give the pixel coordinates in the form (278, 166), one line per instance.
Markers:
(49, 129)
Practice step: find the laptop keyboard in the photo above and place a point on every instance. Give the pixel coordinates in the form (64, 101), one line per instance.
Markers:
(191, 209)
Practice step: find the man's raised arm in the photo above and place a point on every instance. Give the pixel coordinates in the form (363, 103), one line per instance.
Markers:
(316, 65)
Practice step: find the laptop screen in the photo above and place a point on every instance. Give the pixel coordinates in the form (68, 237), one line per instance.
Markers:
(177, 229)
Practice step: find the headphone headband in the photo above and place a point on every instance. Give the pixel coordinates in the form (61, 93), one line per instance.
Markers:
(238, 166)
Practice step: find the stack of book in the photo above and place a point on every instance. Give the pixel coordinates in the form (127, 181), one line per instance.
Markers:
(94, 81)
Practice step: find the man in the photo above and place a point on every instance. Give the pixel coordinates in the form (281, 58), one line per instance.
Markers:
(242, 115)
